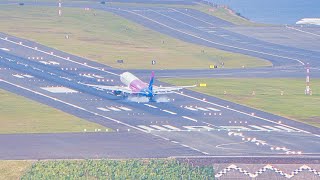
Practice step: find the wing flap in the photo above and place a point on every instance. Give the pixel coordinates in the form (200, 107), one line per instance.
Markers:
(112, 88)
(167, 90)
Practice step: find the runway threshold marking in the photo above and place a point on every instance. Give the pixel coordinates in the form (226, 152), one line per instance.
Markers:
(272, 128)
(159, 128)
(209, 41)
(172, 127)
(124, 108)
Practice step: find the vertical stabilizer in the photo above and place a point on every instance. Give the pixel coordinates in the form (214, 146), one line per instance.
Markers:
(151, 82)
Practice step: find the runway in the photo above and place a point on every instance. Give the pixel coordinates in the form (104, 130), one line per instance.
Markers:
(192, 124)
(195, 27)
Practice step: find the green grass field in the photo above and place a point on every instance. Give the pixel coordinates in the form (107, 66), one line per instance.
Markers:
(21, 115)
(13, 170)
(292, 104)
(105, 37)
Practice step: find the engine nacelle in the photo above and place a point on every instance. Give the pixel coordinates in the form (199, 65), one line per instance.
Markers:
(117, 93)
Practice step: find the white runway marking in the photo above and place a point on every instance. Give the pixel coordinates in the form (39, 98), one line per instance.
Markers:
(5, 49)
(97, 76)
(213, 109)
(241, 128)
(159, 128)
(85, 75)
(202, 109)
(124, 108)
(146, 128)
(18, 76)
(44, 62)
(172, 127)
(170, 112)
(114, 109)
(54, 63)
(272, 128)
(189, 118)
(59, 90)
(103, 109)
(28, 76)
(259, 128)
(284, 128)
(303, 31)
(190, 108)
(151, 106)
(198, 128)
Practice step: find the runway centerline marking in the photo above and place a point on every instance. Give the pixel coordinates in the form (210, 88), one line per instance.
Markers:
(212, 42)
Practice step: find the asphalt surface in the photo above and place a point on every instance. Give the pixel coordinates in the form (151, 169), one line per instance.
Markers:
(191, 124)
(199, 28)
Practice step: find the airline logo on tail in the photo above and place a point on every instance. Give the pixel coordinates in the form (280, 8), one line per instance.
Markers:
(151, 82)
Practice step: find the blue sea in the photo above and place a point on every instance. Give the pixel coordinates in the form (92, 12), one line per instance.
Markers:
(274, 11)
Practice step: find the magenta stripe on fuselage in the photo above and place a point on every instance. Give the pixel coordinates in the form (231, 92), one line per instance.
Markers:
(137, 85)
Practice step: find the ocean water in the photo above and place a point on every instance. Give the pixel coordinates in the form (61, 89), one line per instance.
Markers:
(274, 11)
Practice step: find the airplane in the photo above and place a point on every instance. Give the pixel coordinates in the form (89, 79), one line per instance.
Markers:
(134, 86)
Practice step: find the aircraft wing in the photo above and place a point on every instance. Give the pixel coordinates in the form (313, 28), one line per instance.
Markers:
(167, 90)
(112, 88)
